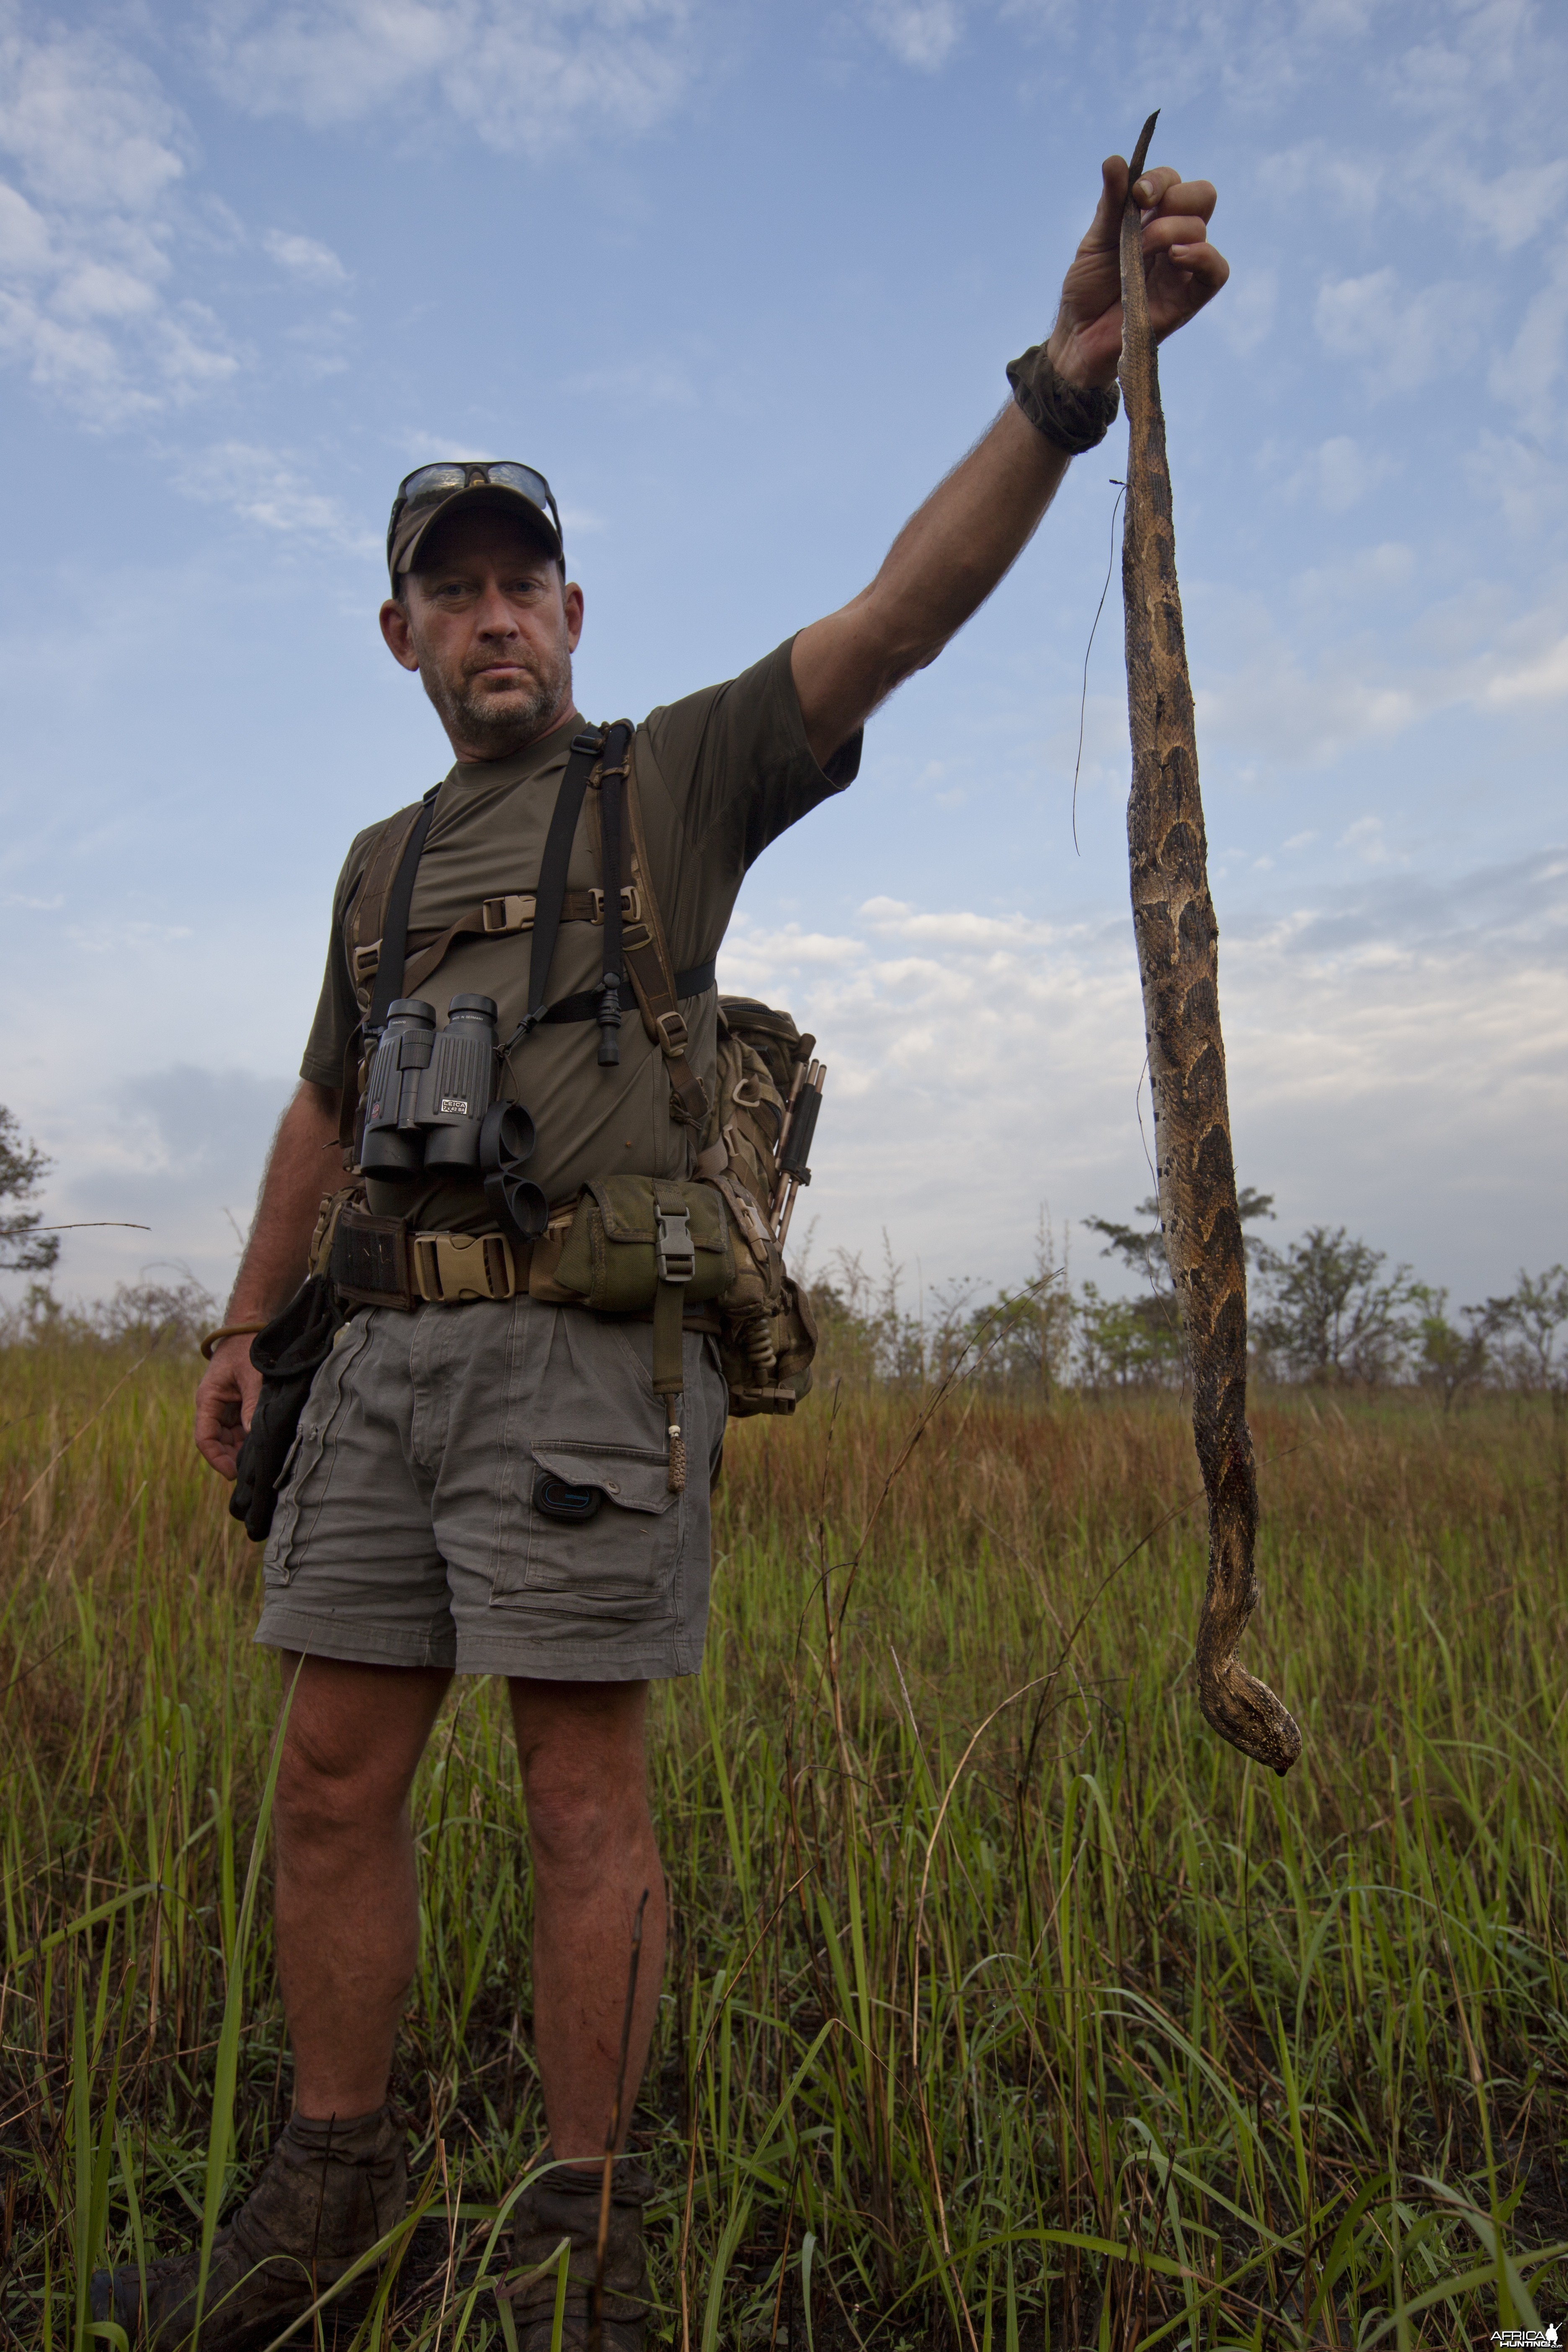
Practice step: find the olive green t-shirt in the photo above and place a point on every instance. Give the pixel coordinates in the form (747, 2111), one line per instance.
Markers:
(720, 774)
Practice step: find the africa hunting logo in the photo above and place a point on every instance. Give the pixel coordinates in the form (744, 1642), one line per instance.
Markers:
(1531, 2335)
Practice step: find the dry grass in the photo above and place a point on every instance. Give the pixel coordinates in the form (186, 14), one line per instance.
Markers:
(1005, 2009)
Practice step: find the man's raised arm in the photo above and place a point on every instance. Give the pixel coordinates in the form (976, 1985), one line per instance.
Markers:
(951, 554)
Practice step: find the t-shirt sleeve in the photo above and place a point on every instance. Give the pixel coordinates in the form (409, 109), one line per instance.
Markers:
(337, 1012)
(736, 764)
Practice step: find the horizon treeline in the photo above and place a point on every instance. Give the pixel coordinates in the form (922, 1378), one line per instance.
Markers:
(1326, 1309)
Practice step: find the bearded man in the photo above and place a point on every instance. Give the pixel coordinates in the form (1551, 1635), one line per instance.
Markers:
(411, 1539)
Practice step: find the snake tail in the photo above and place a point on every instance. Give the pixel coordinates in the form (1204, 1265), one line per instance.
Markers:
(1173, 920)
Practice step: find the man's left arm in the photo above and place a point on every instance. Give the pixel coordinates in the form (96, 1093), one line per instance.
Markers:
(951, 554)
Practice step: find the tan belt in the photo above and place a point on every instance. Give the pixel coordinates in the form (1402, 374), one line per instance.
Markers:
(377, 1262)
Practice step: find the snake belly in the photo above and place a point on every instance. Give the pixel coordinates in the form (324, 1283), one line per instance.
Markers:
(1174, 921)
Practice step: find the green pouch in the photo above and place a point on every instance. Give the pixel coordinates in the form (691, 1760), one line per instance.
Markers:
(611, 1258)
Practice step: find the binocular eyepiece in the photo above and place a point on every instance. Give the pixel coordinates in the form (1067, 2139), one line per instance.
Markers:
(430, 1110)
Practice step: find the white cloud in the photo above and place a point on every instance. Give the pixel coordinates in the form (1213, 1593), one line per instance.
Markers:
(1372, 688)
(1526, 375)
(1365, 838)
(523, 74)
(920, 33)
(1303, 716)
(306, 257)
(1541, 679)
(1517, 204)
(266, 487)
(1529, 488)
(94, 153)
(1391, 1028)
(1399, 338)
(1352, 185)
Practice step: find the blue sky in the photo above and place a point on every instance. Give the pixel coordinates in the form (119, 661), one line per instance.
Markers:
(743, 279)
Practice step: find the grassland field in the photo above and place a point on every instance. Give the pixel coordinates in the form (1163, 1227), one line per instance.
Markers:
(1006, 2008)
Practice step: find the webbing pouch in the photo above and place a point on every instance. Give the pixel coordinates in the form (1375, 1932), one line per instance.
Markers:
(626, 1225)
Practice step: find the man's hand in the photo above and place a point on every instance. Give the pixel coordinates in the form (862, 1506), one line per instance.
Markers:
(1182, 268)
(225, 1403)
(304, 1163)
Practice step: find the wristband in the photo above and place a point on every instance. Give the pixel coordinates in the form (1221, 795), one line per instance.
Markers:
(1074, 417)
(226, 1331)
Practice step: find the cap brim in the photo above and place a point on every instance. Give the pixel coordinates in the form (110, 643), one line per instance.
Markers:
(415, 523)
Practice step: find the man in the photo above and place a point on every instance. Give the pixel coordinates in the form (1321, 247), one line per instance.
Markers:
(408, 1542)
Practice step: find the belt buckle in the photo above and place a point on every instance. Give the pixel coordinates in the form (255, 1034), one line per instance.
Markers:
(450, 1269)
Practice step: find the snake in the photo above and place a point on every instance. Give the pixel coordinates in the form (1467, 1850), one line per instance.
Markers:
(1177, 938)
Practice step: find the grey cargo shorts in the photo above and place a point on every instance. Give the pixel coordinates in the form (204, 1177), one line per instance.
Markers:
(407, 1532)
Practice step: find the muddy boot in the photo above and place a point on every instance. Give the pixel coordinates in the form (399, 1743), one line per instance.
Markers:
(565, 2204)
(328, 2192)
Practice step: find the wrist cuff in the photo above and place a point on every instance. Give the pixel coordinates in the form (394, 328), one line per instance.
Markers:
(1075, 419)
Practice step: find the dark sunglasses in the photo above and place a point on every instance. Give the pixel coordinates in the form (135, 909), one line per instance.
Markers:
(426, 485)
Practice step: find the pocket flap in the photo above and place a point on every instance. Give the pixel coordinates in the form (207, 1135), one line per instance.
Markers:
(636, 1480)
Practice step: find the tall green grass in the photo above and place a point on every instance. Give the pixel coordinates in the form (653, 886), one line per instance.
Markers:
(1006, 2007)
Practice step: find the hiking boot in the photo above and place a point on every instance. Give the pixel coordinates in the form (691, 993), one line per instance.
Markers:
(565, 2204)
(328, 2192)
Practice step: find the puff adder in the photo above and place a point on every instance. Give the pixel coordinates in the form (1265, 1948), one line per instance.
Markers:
(1173, 920)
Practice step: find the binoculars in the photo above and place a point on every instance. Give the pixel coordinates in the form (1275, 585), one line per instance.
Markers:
(430, 1110)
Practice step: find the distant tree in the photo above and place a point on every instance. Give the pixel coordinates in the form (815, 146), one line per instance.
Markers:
(1525, 1329)
(1329, 1312)
(1141, 1248)
(1138, 1342)
(176, 1312)
(1129, 1342)
(22, 1249)
(1450, 1361)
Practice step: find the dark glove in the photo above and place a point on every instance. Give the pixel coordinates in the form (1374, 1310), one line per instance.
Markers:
(287, 1354)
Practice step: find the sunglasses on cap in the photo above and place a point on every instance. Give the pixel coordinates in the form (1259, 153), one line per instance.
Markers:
(430, 486)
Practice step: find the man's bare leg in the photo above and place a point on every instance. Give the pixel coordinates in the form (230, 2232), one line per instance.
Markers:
(347, 1900)
(581, 1747)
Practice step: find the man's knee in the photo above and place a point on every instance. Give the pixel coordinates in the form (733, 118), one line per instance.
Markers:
(353, 1737)
(576, 1818)
(322, 1798)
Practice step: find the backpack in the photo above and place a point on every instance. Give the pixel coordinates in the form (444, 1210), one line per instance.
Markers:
(767, 1097)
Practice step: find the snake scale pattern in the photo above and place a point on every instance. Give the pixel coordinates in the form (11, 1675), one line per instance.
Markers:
(1173, 920)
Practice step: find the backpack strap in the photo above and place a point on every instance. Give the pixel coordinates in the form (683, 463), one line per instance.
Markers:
(612, 776)
(386, 894)
(366, 919)
(550, 898)
(645, 951)
(389, 974)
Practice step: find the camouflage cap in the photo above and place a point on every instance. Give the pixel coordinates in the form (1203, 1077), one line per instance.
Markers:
(430, 492)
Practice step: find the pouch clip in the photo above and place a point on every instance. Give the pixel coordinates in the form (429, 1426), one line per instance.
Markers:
(673, 1246)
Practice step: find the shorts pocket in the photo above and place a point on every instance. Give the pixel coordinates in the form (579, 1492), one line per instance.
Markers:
(619, 1563)
(322, 1407)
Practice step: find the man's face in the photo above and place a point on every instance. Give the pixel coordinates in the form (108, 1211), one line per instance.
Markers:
(491, 630)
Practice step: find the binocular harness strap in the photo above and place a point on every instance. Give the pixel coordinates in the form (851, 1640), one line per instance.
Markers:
(395, 930)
